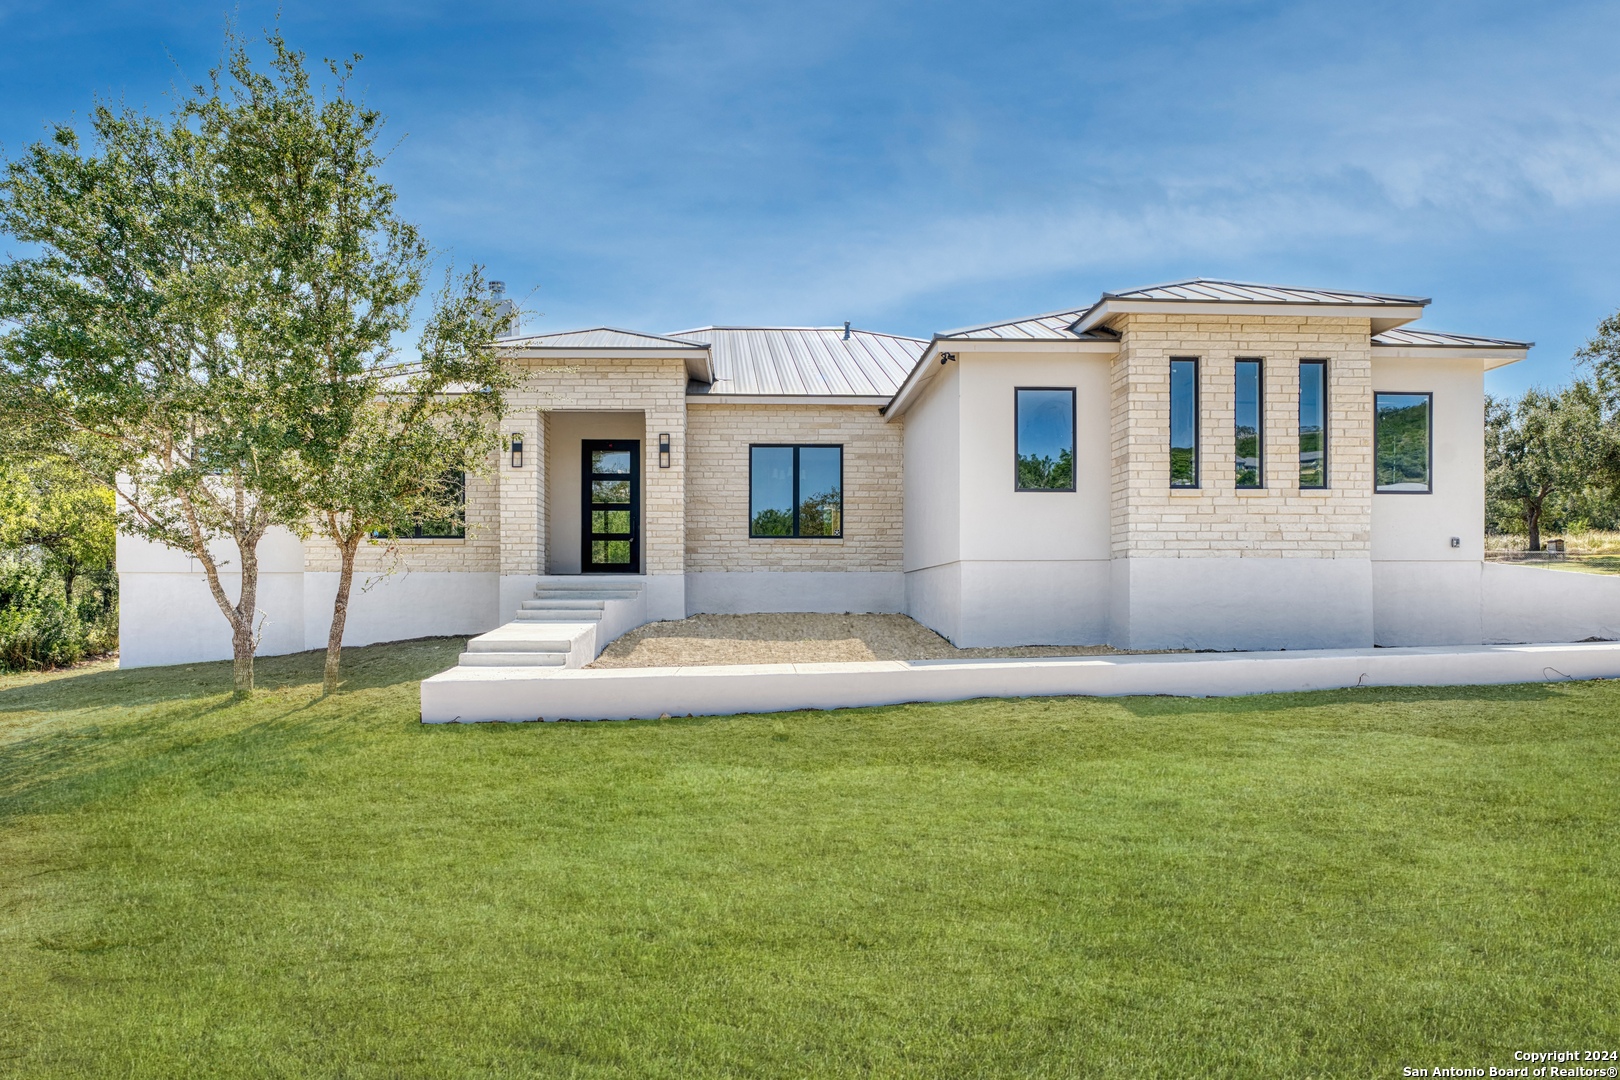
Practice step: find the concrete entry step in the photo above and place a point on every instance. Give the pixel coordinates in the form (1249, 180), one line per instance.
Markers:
(554, 658)
(563, 603)
(558, 615)
(543, 642)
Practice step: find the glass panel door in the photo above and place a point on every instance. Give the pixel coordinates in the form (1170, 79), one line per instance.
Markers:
(612, 506)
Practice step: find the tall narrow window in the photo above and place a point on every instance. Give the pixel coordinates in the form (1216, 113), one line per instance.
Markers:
(1402, 440)
(1313, 424)
(1183, 422)
(796, 491)
(1247, 411)
(1045, 451)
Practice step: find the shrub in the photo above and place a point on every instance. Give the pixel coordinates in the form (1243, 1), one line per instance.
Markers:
(41, 627)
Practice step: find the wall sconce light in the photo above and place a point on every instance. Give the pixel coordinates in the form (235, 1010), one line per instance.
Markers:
(517, 451)
(663, 450)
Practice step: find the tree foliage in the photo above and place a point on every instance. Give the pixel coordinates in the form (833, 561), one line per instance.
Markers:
(1545, 454)
(211, 305)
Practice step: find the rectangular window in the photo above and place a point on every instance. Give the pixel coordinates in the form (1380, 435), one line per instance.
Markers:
(1313, 424)
(1044, 419)
(1402, 437)
(796, 491)
(454, 490)
(1246, 424)
(1183, 422)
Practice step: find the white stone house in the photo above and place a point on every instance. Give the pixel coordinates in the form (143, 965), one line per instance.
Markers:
(1203, 464)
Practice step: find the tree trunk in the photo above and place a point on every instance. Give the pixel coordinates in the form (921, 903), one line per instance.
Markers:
(1532, 522)
(340, 612)
(242, 620)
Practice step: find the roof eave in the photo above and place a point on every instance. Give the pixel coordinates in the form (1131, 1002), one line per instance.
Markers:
(1382, 316)
(1495, 356)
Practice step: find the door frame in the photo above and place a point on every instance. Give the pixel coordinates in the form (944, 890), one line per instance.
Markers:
(586, 446)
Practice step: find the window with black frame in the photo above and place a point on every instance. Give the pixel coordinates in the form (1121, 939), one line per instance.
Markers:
(1403, 443)
(453, 491)
(1248, 409)
(1183, 422)
(795, 491)
(1044, 423)
(1313, 424)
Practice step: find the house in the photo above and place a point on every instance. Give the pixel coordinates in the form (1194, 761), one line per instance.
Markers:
(1204, 464)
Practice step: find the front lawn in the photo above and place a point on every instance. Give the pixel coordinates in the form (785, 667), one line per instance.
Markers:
(1332, 884)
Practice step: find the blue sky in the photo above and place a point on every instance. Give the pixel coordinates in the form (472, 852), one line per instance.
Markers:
(915, 167)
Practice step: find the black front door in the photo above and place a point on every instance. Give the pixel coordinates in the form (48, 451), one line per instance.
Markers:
(612, 510)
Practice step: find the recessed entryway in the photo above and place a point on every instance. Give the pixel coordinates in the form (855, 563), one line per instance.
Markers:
(567, 519)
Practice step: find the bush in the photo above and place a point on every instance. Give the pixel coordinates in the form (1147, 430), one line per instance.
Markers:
(41, 627)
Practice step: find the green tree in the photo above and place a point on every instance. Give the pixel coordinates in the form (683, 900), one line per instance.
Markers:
(419, 424)
(381, 434)
(48, 503)
(146, 323)
(1540, 447)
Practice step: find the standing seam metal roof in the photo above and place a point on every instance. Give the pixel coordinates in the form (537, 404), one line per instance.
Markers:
(601, 337)
(806, 360)
(1242, 292)
(1403, 336)
(1053, 326)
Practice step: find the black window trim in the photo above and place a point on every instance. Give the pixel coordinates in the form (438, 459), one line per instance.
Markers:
(1198, 424)
(1074, 437)
(1327, 398)
(1428, 444)
(1260, 419)
(795, 447)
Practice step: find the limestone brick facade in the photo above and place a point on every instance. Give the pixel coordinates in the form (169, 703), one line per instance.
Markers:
(655, 387)
(718, 439)
(478, 552)
(1216, 520)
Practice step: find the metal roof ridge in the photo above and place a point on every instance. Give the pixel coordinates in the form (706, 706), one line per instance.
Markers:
(596, 329)
(1125, 293)
(819, 329)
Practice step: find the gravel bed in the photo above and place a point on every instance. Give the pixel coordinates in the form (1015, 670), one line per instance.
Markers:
(798, 638)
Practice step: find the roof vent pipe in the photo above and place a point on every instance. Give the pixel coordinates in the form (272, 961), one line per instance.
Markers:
(846, 329)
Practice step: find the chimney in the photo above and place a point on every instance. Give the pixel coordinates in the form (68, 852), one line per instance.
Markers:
(507, 323)
(846, 329)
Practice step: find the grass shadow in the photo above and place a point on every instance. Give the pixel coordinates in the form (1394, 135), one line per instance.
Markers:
(366, 667)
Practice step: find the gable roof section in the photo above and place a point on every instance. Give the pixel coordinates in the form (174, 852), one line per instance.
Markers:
(805, 361)
(600, 337)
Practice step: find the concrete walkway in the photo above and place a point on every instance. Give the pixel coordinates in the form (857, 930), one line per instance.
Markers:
(469, 694)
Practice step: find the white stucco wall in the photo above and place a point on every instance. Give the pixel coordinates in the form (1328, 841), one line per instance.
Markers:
(167, 615)
(987, 564)
(741, 592)
(1412, 527)
(1426, 592)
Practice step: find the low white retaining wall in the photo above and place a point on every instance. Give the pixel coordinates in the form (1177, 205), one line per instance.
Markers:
(478, 694)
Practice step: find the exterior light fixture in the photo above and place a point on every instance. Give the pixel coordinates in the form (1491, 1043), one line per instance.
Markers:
(945, 358)
(517, 450)
(663, 450)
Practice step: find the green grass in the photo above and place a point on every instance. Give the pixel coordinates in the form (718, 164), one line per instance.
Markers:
(1333, 884)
